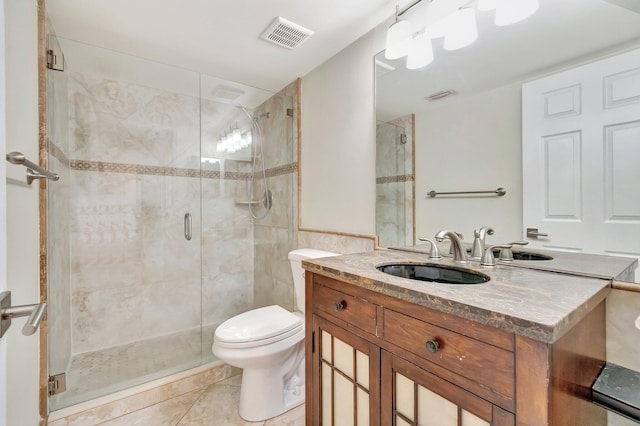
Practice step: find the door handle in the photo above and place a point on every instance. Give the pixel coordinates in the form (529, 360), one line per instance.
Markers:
(7, 312)
(188, 224)
(533, 233)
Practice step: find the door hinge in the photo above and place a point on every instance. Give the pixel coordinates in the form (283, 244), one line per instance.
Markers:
(52, 61)
(313, 342)
(57, 384)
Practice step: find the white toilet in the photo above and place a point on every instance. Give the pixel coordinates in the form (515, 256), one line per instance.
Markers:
(268, 344)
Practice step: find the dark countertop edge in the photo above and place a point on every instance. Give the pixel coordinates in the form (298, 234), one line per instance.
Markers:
(519, 326)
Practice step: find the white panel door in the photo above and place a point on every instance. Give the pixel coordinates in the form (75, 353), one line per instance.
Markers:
(581, 158)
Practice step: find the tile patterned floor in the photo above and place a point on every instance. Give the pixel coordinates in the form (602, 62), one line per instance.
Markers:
(216, 405)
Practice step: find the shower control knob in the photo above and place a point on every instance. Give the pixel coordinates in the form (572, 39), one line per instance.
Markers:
(338, 306)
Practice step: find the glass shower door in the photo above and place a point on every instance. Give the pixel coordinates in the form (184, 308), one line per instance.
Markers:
(124, 221)
(391, 205)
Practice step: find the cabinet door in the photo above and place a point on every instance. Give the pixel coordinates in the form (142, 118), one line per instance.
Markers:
(413, 396)
(346, 376)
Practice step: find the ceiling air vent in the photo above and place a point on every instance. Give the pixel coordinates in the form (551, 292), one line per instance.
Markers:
(285, 33)
(441, 95)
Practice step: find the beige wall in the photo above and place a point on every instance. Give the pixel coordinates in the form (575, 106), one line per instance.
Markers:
(338, 141)
(22, 207)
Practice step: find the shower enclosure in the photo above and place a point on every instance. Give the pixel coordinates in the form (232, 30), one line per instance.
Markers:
(394, 182)
(153, 240)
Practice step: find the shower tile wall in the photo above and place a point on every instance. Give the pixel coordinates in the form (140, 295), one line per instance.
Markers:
(134, 276)
(274, 235)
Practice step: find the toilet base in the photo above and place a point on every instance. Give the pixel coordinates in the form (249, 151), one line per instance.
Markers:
(263, 396)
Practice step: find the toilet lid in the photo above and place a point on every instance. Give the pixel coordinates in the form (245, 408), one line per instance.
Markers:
(258, 324)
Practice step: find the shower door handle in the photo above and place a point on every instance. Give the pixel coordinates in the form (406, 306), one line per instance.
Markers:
(35, 313)
(188, 223)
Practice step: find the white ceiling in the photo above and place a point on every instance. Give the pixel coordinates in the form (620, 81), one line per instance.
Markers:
(220, 38)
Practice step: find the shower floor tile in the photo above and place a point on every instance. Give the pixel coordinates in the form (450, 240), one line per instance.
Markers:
(95, 374)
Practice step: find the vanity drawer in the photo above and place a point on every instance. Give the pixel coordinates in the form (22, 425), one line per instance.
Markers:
(485, 364)
(352, 310)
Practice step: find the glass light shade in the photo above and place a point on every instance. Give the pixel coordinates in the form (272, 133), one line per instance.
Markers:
(420, 53)
(398, 40)
(248, 137)
(439, 15)
(487, 4)
(464, 30)
(511, 11)
(219, 147)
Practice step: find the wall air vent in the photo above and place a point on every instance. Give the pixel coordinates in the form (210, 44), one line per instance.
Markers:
(286, 34)
(440, 95)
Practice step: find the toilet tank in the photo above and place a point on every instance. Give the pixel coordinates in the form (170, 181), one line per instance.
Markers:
(296, 257)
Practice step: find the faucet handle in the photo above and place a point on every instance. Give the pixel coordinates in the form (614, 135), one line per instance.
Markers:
(488, 261)
(434, 253)
(506, 254)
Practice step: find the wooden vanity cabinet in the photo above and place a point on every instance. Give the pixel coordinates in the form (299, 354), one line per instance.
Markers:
(373, 359)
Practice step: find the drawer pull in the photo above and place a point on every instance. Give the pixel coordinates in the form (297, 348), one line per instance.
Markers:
(338, 306)
(433, 346)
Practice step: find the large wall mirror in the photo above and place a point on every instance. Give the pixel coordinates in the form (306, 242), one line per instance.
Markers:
(467, 110)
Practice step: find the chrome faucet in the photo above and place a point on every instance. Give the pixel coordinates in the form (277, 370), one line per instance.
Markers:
(480, 235)
(459, 253)
(434, 253)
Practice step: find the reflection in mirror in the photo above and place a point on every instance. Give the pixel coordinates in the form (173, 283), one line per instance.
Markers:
(471, 140)
(394, 182)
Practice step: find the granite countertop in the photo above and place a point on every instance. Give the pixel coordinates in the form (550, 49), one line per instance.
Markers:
(591, 265)
(536, 304)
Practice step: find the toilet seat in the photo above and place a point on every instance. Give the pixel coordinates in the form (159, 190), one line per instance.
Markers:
(259, 327)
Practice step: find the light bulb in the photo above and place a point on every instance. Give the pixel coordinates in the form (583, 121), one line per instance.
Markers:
(398, 40)
(236, 135)
(420, 53)
(464, 30)
(511, 11)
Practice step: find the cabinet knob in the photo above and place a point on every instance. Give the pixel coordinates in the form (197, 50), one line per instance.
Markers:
(433, 346)
(338, 306)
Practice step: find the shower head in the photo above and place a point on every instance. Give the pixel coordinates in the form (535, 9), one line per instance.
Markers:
(263, 115)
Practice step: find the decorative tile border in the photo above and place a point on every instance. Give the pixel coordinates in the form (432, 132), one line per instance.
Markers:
(399, 178)
(287, 169)
(139, 169)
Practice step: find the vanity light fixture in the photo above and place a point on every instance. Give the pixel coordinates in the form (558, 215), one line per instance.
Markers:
(455, 20)
(463, 31)
(398, 39)
(420, 52)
